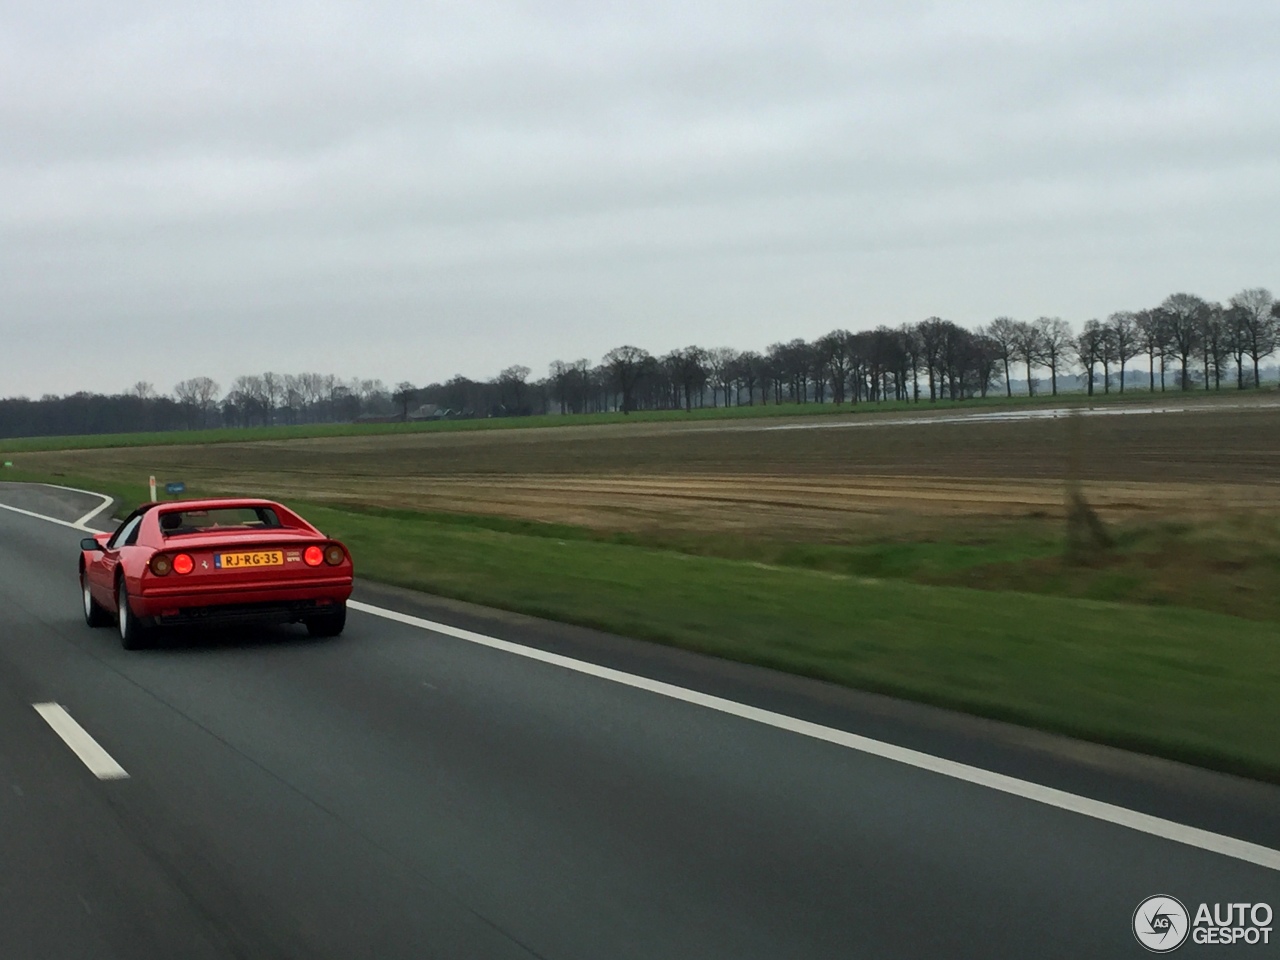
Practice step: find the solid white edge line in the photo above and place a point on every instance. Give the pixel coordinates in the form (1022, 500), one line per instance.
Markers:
(106, 502)
(81, 524)
(100, 763)
(41, 516)
(1061, 799)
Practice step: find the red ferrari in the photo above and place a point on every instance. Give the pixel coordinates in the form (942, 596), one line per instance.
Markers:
(194, 562)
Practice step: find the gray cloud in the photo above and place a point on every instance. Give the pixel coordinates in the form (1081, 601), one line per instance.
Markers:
(409, 191)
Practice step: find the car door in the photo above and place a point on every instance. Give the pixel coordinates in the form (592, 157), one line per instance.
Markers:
(102, 569)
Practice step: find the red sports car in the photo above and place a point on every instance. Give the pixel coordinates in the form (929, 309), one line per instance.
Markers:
(191, 562)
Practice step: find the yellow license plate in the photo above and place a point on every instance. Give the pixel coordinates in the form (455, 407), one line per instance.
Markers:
(259, 558)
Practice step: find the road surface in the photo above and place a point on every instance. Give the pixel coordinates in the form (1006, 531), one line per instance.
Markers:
(404, 792)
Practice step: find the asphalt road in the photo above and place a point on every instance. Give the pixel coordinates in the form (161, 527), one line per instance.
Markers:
(402, 793)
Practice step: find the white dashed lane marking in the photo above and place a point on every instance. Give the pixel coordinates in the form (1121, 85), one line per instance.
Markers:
(100, 763)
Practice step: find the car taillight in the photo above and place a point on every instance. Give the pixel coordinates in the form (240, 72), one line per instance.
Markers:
(183, 563)
(334, 555)
(160, 565)
(314, 556)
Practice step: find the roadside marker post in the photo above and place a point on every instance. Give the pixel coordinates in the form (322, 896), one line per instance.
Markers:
(153, 489)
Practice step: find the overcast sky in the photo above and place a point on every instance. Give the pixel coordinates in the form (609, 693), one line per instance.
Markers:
(412, 190)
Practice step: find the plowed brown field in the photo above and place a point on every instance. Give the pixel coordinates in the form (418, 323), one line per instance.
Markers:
(839, 479)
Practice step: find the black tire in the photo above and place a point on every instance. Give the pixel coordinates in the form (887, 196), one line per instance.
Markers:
(329, 624)
(133, 632)
(94, 614)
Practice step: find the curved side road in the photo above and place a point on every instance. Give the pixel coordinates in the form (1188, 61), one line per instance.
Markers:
(407, 792)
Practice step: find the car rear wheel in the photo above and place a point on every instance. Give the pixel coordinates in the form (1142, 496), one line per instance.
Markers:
(94, 614)
(329, 624)
(133, 632)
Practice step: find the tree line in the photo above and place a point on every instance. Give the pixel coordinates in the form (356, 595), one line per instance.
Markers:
(1184, 343)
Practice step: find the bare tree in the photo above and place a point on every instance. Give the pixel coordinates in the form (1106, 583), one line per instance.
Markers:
(819, 371)
(1259, 318)
(1236, 326)
(833, 352)
(883, 355)
(771, 373)
(1088, 350)
(1055, 338)
(344, 403)
(512, 392)
(912, 354)
(986, 355)
(315, 390)
(560, 374)
(722, 364)
(570, 385)
(1003, 332)
(1184, 314)
(1122, 329)
(369, 390)
(206, 392)
(624, 365)
(866, 360)
(952, 359)
(750, 366)
(272, 393)
(1106, 356)
(404, 395)
(248, 398)
(791, 368)
(691, 368)
(583, 381)
(932, 333)
(294, 397)
(1215, 343)
(1153, 338)
(186, 393)
(143, 390)
(1029, 348)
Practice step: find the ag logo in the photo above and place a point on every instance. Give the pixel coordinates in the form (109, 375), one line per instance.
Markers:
(1161, 924)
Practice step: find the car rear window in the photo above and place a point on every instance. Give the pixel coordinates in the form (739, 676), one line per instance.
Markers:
(174, 522)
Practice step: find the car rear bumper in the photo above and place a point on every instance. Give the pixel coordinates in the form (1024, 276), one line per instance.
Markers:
(278, 603)
(293, 611)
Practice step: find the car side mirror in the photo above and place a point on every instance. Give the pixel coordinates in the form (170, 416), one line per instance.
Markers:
(90, 543)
